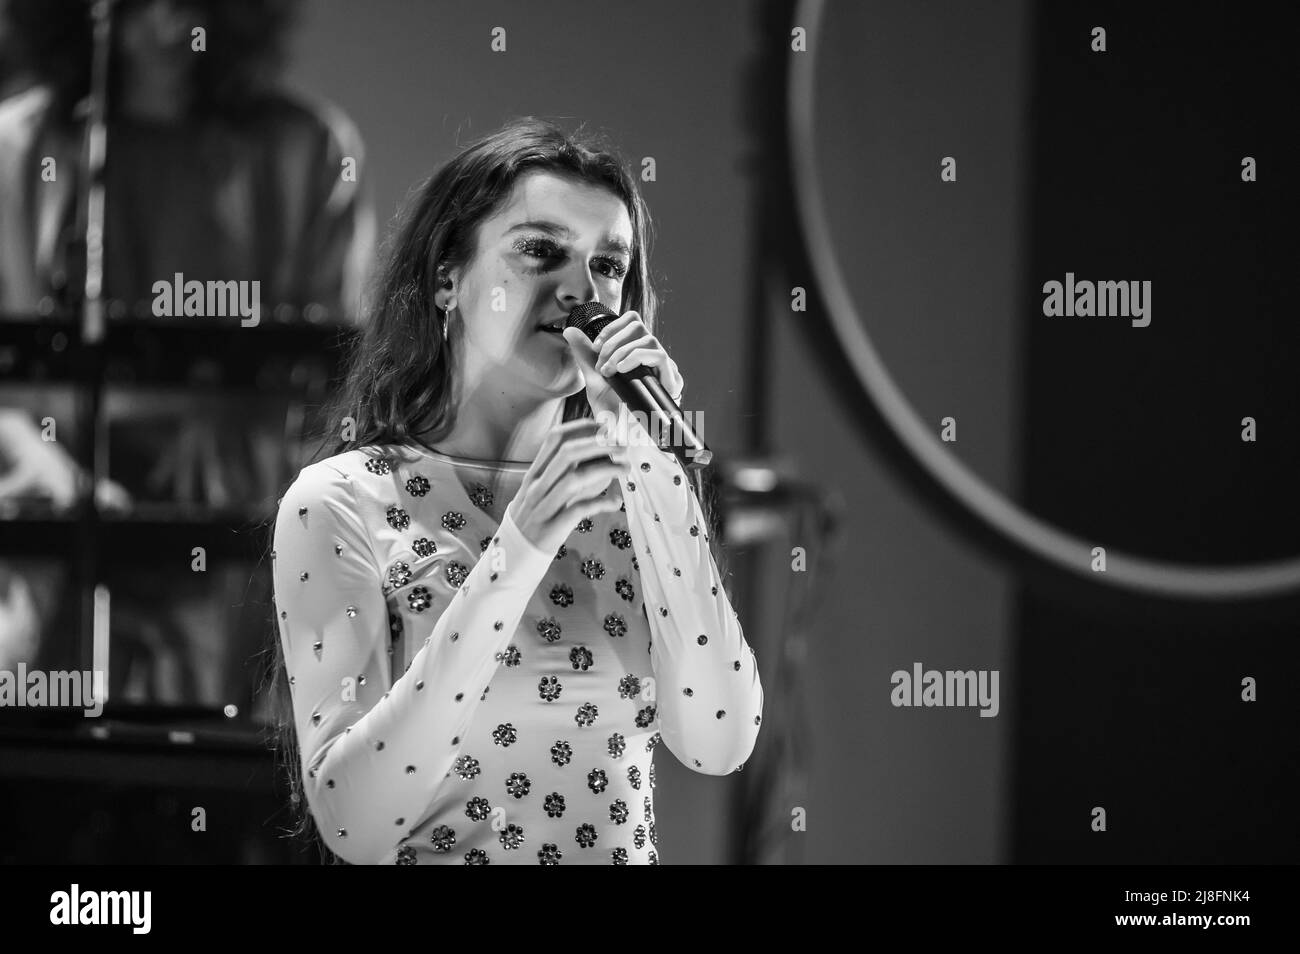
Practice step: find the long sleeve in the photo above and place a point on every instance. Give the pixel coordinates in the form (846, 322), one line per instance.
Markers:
(709, 699)
(376, 750)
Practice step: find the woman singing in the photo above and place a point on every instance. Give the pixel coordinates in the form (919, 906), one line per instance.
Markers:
(491, 610)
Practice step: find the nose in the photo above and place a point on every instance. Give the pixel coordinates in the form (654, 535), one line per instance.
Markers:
(576, 286)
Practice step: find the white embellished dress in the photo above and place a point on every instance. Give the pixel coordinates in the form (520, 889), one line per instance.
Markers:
(461, 697)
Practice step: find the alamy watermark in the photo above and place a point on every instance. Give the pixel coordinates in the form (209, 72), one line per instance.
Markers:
(948, 688)
(132, 908)
(59, 689)
(194, 299)
(1088, 299)
(650, 431)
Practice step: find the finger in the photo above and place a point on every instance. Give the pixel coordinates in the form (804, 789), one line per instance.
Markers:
(671, 378)
(608, 344)
(539, 475)
(592, 500)
(616, 325)
(592, 474)
(587, 348)
(569, 457)
(586, 481)
(665, 369)
(618, 457)
(579, 510)
(585, 356)
(642, 358)
(590, 480)
(576, 449)
(556, 438)
(576, 425)
(581, 344)
(610, 364)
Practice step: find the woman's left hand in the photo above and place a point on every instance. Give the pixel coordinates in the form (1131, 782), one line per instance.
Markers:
(625, 343)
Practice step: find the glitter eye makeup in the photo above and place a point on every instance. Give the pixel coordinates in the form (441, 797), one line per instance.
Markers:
(548, 250)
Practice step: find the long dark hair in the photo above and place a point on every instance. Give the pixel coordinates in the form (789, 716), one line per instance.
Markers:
(397, 388)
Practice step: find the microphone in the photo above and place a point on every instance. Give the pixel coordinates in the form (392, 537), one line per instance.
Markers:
(644, 395)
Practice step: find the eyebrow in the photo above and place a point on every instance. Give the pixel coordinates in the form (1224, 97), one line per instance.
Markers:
(612, 242)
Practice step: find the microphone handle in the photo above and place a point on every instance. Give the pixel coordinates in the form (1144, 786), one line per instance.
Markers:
(644, 395)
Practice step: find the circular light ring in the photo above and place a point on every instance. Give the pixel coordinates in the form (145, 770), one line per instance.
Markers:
(1042, 540)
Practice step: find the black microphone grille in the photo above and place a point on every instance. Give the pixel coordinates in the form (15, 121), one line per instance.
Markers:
(590, 313)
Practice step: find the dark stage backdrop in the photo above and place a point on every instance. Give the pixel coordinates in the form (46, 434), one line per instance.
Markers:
(1136, 174)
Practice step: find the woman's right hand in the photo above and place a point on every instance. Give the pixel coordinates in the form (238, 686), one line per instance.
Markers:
(564, 484)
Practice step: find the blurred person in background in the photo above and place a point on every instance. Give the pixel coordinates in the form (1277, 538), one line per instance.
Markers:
(214, 171)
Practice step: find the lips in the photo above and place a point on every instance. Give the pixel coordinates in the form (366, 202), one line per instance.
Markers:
(555, 327)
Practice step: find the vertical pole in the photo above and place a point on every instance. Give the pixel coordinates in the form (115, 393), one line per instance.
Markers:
(774, 254)
(93, 435)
